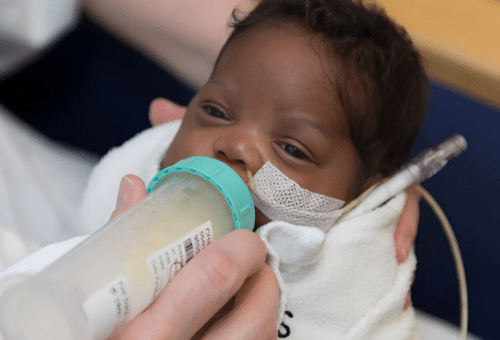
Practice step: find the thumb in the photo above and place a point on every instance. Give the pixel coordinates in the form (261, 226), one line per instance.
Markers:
(132, 190)
(162, 110)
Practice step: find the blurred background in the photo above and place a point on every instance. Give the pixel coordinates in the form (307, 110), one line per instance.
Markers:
(90, 83)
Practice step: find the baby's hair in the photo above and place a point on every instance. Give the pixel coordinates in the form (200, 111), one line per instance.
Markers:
(380, 81)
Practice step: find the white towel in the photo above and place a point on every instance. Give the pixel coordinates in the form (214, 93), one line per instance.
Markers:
(345, 284)
(140, 155)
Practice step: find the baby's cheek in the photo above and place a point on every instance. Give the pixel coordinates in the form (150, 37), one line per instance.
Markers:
(179, 149)
(170, 157)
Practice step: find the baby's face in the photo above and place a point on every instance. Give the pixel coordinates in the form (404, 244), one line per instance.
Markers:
(270, 99)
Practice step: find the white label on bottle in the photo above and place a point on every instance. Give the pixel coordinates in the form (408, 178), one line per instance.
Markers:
(107, 309)
(165, 263)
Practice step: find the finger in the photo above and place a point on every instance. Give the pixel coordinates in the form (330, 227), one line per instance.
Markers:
(255, 311)
(162, 110)
(228, 307)
(408, 296)
(132, 190)
(200, 289)
(406, 230)
(408, 300)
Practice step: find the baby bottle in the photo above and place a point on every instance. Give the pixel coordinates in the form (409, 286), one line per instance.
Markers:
(117, 272)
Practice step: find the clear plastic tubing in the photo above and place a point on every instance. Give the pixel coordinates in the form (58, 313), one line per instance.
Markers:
(117, 272)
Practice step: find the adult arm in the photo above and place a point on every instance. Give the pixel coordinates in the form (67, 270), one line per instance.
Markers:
(182, 36)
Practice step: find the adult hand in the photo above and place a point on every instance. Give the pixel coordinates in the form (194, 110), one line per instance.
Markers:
(195, 303)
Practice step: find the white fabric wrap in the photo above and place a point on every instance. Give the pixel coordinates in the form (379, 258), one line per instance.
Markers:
(41, 187)
(345, 284)
(140, 156)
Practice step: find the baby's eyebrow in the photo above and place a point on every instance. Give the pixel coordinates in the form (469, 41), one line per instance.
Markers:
(305, 121)
(224, 83)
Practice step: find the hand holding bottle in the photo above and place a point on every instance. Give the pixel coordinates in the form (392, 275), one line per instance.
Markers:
(195, 304)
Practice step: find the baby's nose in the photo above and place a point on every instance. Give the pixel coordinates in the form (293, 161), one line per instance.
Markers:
(244, 152)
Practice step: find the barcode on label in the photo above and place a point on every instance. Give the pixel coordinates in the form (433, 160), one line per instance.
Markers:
(188, 248)
(166, 262)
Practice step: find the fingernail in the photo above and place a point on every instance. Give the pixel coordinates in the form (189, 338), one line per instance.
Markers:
(400, 255)
(403, 252)
(123, 192)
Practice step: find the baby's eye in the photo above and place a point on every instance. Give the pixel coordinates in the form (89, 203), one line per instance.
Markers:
(215, 111)
(293, 151)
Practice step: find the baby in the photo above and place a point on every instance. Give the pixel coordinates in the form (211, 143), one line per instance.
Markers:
(332, 94)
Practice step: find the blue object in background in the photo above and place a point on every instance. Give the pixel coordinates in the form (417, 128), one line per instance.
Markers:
(93, 92)
(468, 190)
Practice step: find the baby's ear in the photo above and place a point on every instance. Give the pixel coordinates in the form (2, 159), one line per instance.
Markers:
(162, 110)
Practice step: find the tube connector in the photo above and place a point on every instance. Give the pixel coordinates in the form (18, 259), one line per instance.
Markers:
(420, 168)
(429, 162)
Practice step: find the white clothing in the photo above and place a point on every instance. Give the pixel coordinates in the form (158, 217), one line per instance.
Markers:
(41, 188)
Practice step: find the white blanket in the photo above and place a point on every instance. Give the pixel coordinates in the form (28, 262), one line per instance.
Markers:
(41, 187)
(345, 284)
(140, 156)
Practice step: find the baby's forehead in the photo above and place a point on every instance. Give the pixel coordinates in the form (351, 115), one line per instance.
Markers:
(280, 65)
(281, 47)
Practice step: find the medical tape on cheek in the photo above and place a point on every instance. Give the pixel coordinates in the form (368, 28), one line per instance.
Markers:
(280, 198)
